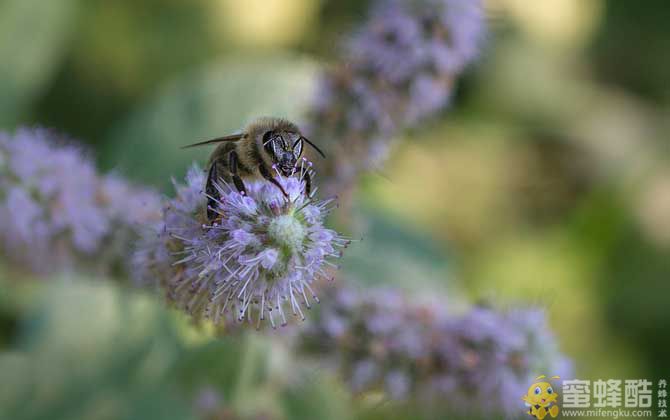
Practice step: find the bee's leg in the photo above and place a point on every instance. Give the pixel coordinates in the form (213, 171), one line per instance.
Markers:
(212, 192)
(268, 176)
(308, 183)
(239, 184)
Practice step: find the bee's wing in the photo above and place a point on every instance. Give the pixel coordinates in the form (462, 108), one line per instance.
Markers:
(232, 137)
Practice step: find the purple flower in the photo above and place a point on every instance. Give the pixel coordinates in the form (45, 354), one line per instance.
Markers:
(397, 384)
(127, 204)
(483, 359)
(258, 259)
(363, 374)
(400, 69)
(56, 212)
(207, 401)
(390, 44)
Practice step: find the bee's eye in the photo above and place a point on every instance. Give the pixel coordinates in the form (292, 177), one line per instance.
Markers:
(297, 148)
(538, 391)
(277, 146)
(272, 143)
(549, 390)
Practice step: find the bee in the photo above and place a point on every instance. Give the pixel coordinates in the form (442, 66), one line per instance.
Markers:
(264, 145)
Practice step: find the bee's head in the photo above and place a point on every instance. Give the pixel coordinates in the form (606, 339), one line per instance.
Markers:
(285, 148)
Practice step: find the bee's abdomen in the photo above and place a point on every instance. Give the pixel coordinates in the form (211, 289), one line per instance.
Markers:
(219, 162)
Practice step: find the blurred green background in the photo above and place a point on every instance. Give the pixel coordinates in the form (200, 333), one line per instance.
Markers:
(547, 181)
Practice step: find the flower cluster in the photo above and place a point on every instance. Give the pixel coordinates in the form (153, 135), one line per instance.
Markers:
(400, 68)
(483, 359)
(57, 213)
(261, 255)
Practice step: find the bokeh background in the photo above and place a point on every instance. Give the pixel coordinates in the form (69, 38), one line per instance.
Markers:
(547, 181)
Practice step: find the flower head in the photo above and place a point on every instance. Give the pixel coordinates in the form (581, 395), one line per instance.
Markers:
(401, 67)
(56, 210)
(257, 259)
(382, 340)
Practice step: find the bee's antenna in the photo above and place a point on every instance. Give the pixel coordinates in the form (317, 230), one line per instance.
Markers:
(313, 145)
(232, 137)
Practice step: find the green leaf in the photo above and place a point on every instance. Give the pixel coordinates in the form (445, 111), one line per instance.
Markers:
(316, 397)
(91, 351)
(33, 40)
(392, 254)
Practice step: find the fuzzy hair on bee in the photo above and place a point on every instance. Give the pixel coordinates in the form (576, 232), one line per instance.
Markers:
(265, 145)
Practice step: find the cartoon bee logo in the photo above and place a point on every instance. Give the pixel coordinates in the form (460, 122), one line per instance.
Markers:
(541, 399)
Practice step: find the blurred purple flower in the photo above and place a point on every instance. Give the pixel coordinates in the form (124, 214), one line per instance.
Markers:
(481, 360)
(257, 260)
(400, 68)
(56, 212)
(207, 401)
(397, 384)
(364, 373)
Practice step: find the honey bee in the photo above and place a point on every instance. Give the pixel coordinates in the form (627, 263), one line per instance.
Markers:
(264, 145)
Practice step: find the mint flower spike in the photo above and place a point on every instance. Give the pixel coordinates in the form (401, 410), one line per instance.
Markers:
(381, 339)
(258, 260)
(57, 213)
(401, 68)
